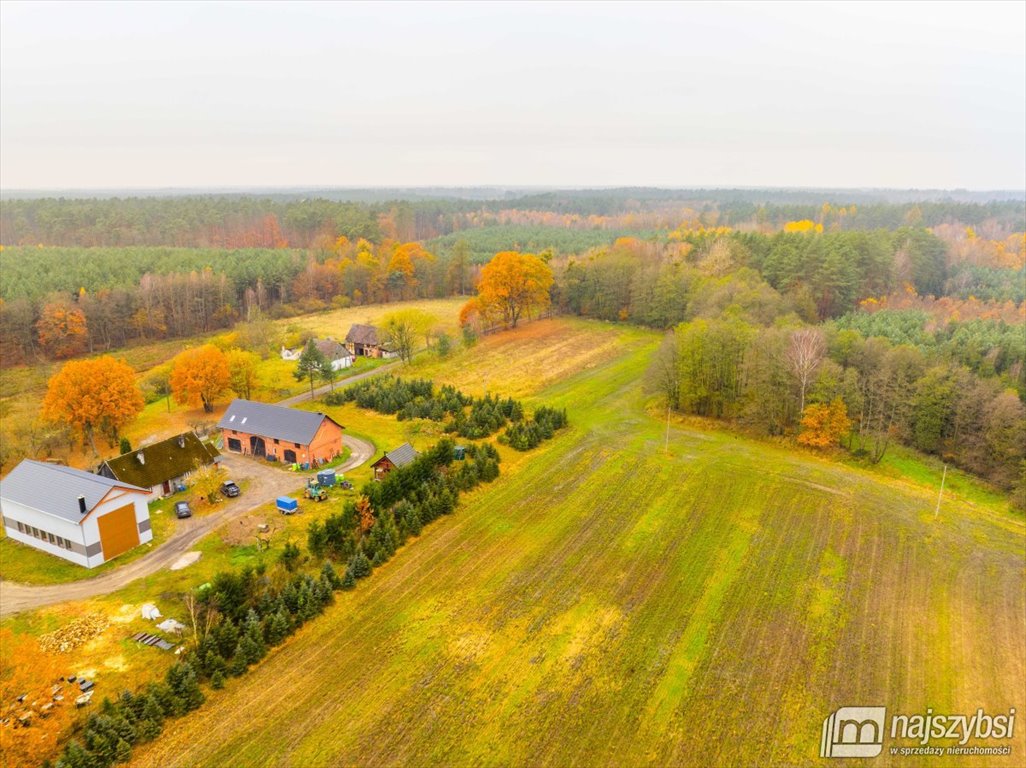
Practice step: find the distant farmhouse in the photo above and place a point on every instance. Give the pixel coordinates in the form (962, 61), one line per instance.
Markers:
(368, 341)
(161, 467)
(399, 457)
(85, 518)
(333, 350)
(282, 434)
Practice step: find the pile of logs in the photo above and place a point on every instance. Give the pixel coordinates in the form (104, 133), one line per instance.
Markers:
(72, 635)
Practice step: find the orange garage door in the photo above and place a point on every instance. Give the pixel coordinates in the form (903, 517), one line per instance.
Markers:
(118, 531)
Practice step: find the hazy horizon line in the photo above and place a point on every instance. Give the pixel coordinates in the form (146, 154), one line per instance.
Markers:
(507, 187)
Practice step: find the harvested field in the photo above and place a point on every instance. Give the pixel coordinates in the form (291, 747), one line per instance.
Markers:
(606, 602)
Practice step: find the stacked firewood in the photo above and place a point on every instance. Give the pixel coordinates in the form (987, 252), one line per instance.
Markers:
(72, 635)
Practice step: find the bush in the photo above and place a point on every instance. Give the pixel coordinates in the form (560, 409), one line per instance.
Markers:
(444, 345)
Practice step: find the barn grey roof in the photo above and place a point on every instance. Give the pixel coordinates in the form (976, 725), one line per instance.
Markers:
(331, 349)
(54, 489)
(363, 334)
(275, 421)
(401, 456)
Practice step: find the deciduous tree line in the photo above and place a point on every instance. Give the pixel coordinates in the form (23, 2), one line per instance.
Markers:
(767, 378)
(65, 303)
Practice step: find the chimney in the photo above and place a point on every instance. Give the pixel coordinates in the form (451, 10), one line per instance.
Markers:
(140, 457)
(81, 505)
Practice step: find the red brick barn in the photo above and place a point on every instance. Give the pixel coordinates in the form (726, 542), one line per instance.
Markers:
(282, 434)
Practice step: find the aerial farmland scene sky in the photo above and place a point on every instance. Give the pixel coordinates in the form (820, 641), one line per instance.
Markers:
(531, 384)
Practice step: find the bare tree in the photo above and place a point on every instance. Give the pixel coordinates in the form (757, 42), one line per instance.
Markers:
(804, 354)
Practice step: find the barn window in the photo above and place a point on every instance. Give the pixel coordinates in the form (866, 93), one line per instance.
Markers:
(20, 529)
(50, 537)
(275, 441)
(296, 444)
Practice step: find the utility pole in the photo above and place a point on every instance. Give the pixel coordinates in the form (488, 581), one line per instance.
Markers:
(666, 445)
(944, 477)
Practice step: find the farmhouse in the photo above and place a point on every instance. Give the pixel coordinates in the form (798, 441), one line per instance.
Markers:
(280, 434)
(333, 350)
(161, 467)
(368, 341)
(400, 457)
(85, 518)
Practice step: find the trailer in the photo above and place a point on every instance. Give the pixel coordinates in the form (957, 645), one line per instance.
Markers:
(287, 505)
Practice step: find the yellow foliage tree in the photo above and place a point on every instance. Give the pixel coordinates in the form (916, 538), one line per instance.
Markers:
(89, 395)
(242, 371)
(513, 283)
(824, 425)
(404, 326)
(805, 225)
(200, 375)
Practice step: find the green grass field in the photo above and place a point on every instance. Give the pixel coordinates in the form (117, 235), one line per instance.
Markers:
(609, 602)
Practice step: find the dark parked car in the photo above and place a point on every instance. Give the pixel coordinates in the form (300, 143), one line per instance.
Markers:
(182, 509)
(230, 489)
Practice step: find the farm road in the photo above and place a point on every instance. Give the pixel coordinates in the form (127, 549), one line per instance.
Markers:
(265, 482)
(325, 388)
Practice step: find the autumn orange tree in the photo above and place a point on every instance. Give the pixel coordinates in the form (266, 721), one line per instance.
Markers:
(100, 394)
(200, 376)
(366, 513)
(824, 425)
(61, 329)
(27, 670)
(512, 283)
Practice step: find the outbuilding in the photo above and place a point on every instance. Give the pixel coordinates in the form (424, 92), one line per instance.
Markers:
(400, 457)
(85, 518)
(368, 341)
(281, 434)
(162, 466)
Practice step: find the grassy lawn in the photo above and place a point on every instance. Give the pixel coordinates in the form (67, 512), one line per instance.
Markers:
(907, 463)
(336, 323)
(610, 602)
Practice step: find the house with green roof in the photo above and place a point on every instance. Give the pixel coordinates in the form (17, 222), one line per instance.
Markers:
(162, 466)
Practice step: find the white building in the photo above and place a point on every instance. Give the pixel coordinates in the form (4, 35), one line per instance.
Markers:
(82, 517)
(334, 351)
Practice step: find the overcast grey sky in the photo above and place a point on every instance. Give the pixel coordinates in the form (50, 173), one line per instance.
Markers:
(203, 94)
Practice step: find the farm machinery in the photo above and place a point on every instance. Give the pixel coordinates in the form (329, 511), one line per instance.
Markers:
(315, 492)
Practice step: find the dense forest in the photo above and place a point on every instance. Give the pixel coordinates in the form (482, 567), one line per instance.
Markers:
(918, 304)
(886, 324)
(235, 221)
(62, 302)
